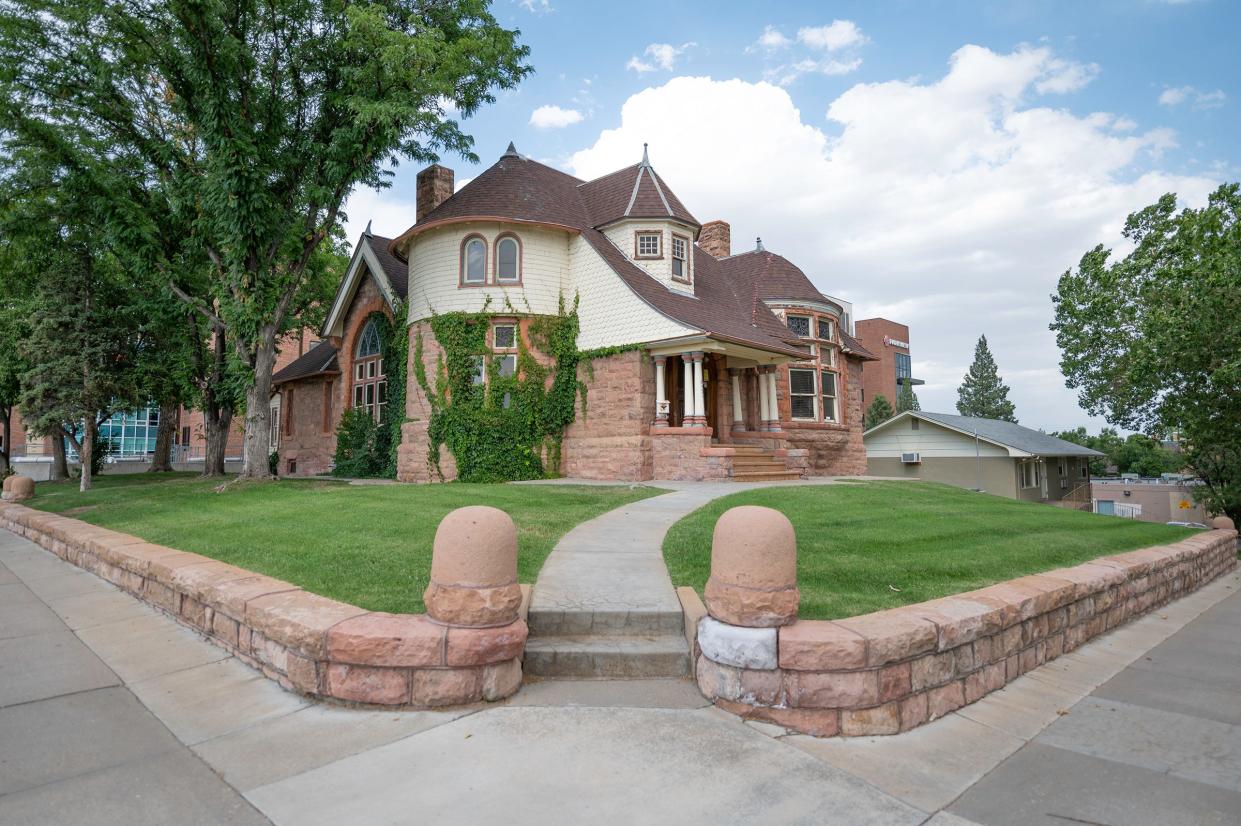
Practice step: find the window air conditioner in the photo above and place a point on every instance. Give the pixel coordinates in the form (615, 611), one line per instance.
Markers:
(911, 458)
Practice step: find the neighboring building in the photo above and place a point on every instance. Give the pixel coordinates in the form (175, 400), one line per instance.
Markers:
(714, 349)
(985, 454)
(893, 365)
(1150, 500)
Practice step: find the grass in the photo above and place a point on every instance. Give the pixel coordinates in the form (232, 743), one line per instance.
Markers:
(366, 545)
(863, 547)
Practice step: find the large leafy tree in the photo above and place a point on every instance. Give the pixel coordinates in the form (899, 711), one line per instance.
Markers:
(878, 412)
(906, 398)
(1152, 340)
(259, 118)
(983, 393)
(13, 330)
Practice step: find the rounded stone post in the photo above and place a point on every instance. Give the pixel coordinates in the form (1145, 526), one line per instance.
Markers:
(753, 579)
(474, 569)
(18, 488)
(1223, 523)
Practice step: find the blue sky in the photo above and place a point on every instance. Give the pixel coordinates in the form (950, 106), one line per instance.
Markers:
(936, 163)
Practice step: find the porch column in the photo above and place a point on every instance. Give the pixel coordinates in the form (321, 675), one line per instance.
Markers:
(738, 414)
(764, 407)
(700, 406)
(661, 394)
(772, 399)
(687, 407)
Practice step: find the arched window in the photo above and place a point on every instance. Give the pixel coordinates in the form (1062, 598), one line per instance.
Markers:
(508, 260)
(474, 261)
(370, 384)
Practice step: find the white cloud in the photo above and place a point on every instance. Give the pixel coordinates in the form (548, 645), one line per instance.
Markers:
(1065, 76)
(840, 40)
(536, 6)
(389, 215)
(1175, 96)
(840, 34)
(954, 204)
(658, 56)
(554, 117)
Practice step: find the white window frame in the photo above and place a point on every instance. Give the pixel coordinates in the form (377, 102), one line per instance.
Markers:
(1085, 471)
(833, 400)
(646, 235)
(831, 329)
(465, 261)
(516, 277)
(683, 258)
(813, 394)
(495, 337)
(1029, 469)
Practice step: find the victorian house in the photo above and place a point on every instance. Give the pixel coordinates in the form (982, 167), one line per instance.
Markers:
(722, 365)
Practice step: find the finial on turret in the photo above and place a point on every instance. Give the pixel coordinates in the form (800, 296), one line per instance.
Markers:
(759, 246)
(367, 231)
(646, 160)
(511, 152)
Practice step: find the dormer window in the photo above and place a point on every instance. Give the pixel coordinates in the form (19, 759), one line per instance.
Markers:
(649, 244)
(680, 258)
(799, 325)
(508, 260)
(474, 261)
(827, 329)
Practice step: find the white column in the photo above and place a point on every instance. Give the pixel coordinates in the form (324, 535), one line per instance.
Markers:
(738, 413)
(687, 408)
(661, 395)
(764, 407)
(700, 407)
(775, 407)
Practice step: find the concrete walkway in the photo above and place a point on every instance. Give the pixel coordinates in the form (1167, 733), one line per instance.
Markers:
(112, 713)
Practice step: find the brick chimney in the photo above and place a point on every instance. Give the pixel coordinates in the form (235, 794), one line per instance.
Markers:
(715, 238)
(434, 187)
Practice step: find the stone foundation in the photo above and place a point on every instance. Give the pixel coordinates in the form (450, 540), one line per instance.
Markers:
(610, 437)
(891, 671)
(307, 643)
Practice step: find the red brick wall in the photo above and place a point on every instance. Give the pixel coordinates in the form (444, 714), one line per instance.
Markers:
(880, 376)
(310, 445)
(611, 439)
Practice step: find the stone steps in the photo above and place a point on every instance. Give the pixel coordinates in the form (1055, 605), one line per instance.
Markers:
(604, 622)
(740, 475)
(607, 655)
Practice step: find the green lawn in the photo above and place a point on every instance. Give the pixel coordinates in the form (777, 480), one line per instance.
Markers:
(366, 545)
(867, 546)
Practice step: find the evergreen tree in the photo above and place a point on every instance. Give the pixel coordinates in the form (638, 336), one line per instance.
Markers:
(906, 399)
(880, 411)
(982, 393)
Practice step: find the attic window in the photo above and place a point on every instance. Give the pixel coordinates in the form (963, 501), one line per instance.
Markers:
(799, 325)
(913, 424)
(680, 258)
(649, 244)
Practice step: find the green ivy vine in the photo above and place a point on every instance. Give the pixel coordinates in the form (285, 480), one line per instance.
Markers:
(508, 427)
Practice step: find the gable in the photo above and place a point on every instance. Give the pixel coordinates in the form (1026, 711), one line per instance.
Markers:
(364, 265)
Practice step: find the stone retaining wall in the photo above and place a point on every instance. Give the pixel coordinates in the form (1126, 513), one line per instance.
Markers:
(890, 671)
(308, 643)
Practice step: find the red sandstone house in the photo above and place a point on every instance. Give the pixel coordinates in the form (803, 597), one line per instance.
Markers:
(735, 366)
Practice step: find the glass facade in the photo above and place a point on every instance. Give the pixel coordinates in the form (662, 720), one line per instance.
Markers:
(904, 369)
(132, 433)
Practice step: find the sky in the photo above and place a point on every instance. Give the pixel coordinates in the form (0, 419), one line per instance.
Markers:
(938, 164)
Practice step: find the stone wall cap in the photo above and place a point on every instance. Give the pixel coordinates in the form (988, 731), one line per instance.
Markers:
(893, 635)
(298, 620)
(395, 640)
(820, 645)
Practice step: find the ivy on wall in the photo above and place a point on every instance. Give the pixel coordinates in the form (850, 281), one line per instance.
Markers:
(366, 448)
(508, 427)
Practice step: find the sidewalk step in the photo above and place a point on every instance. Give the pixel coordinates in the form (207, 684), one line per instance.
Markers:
(547, 623)
(741, 475)
(628, 657)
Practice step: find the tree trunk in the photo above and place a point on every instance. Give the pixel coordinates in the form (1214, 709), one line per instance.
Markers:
(60, 464)
(169, 420)
(258, 409)
(216, 424)
(6, 460)
(86, 452)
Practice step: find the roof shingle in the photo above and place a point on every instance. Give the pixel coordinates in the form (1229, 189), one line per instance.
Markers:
(320, 360)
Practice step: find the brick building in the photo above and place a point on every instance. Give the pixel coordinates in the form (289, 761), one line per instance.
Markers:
(729, 365)
(892, 366)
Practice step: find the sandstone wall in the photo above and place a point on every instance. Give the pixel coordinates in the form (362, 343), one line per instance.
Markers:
(611, 438)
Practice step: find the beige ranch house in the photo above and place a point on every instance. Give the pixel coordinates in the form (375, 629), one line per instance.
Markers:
(732, 366)
(998, 457)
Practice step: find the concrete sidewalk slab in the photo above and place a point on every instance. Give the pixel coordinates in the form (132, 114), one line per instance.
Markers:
(578, 765)
(610, 694)
(1175, 692)
(39, 666)
(1046, 786)
(148, 646)
(22, 613)
(89, 609)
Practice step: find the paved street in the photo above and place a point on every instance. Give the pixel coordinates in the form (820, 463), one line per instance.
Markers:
(112, 713)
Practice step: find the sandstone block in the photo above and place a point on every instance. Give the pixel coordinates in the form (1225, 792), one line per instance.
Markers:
(473, 607)
(231, 596)
(391, 640)
(913, 711)
(762, 688)
(225, 628)
(932, 670)
(365, 684)
(298, 620)
(475, 546)
(737, 646)
(196, 580)
(501, 680)
(893, 635)
(960, 620)
(483, 646)
(303, 673)
(895, 682)
(944, 699)
(753, 568)
(18, 488)
(861, 722)
(434, 687)
(813, 721)
(815, 645)
(831, 689)
(717, 681)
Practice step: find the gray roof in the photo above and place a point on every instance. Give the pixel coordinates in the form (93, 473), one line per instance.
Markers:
(1008, 434)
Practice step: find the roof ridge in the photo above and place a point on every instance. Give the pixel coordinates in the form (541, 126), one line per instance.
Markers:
(659, 189)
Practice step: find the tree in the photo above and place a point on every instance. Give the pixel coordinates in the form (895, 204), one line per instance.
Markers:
(260, 119)
(982, 393)
(906, 398)
(12, 366)
(1144, 456)
(1151, 341)
(878, 412)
